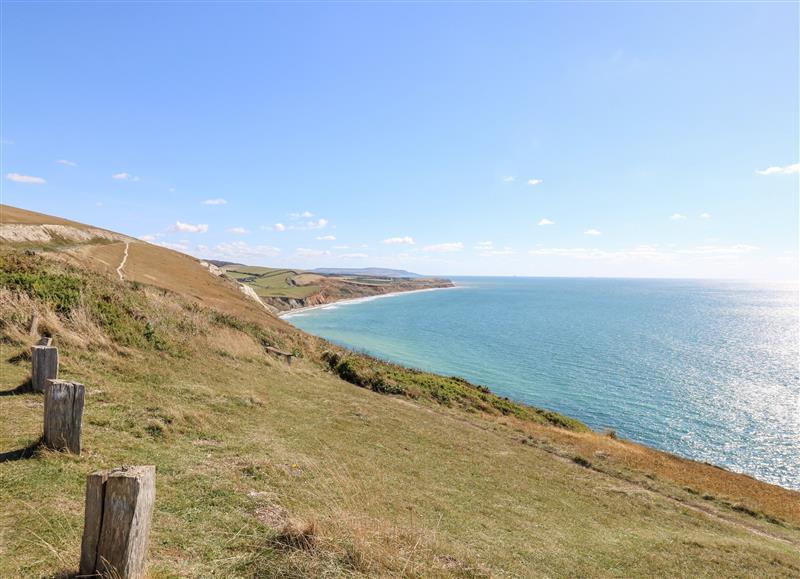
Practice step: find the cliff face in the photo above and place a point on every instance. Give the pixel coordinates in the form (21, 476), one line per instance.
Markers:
(336, 289)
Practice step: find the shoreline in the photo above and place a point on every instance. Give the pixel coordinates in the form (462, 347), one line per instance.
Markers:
(300, 311)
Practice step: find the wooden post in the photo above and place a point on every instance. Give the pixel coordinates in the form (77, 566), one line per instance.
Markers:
(44, 361)
(119, 506)
(34, 327)
(63, 411)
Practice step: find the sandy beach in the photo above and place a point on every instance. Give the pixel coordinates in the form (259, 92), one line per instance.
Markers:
(300, 311)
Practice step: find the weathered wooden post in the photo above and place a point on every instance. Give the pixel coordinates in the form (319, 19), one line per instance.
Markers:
(44, 361)
(119, 505)
(63, 411)
(33, 330)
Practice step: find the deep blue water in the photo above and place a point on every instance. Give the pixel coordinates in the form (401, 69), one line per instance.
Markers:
(705, 369)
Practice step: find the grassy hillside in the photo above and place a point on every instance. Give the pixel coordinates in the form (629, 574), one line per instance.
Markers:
(339, 464)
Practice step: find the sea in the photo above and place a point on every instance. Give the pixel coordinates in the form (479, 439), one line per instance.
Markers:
(708, 370)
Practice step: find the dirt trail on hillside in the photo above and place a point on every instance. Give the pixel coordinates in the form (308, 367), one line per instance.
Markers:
(122, 263)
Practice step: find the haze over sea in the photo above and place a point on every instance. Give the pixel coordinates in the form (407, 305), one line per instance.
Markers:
(705, 369)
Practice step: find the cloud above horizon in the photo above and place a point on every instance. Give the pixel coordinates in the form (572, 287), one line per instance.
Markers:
(189, 228)
(27, 179)
(487, 249)
(508, 179)
(318, 224)
(534, 182)
(216, 201)
(239, 250)
(592, 231)
(305, 252)
(444, 247)
(406, 240)
(124, 176)
(66, 163)
(646, 252)
(785, 170)
(677, 217)
(546, 221)
(326, 238)
(238, 230)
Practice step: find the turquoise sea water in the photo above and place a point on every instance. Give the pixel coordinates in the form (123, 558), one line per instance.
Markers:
(707, 370)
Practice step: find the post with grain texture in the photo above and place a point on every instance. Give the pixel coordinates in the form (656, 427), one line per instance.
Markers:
(119, 506)
(44, 361)
(33, 330)
(63, 412)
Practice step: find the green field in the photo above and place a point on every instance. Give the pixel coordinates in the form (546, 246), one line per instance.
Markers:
(271, 282)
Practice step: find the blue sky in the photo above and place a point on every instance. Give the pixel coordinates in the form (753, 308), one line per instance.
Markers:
(611, 139)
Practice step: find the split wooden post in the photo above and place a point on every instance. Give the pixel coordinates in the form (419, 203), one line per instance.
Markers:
(44, 364)
(119, 506)
(63, 412)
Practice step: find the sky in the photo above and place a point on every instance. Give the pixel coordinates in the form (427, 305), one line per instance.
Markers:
(509, 138)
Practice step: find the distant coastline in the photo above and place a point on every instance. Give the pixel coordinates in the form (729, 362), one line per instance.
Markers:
(306, 309)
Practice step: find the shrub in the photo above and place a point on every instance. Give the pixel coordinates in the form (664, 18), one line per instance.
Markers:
(62, 292)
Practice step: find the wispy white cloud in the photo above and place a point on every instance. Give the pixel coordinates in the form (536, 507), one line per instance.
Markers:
(297, 225)
(677, 217)
(238, 230)
(592, 231)
(785, 170)
(508, 179)
(189, 228)
(705, 216)
(67, 163)
(546, 221)
(306, 252)
(318, 224)
(353, 256)
(406, 240)
(180, 246)
(27, 179)
(124, 176)
(445, 247)
(487, 249)
(326, 238)
(239, 250)
(534, 181)
(647, 252)
(216, 201)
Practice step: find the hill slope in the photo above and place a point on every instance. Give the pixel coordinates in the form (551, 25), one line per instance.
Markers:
(267, 470)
